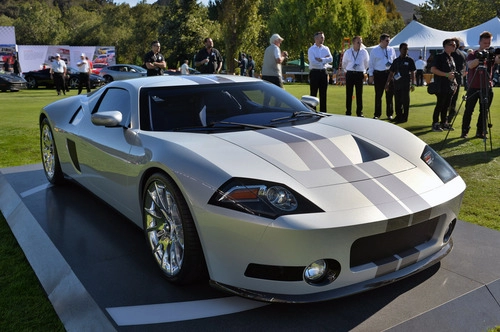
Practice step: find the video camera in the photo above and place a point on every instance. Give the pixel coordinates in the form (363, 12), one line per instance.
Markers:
(487, 54)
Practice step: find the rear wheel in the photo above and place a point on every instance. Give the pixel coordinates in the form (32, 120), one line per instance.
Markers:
(50, 160)
(31, 82)
(170, 231)
(73, 82)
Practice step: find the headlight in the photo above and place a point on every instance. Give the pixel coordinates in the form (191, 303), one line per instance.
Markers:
(438, 164)
(261, 198)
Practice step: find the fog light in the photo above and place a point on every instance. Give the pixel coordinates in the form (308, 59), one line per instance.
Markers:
(315, 271)
(322, 272)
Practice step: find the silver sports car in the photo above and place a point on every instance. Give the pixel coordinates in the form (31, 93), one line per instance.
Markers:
(236, 181)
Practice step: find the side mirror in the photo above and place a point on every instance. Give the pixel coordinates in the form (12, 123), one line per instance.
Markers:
(310, 101)
(107, 119)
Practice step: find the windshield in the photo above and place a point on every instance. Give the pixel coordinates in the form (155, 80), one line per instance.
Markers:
(209, 108)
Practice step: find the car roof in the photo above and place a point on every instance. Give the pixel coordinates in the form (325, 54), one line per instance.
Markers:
(184, 80)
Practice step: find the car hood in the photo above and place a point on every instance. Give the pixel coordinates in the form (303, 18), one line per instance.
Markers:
(12, 78)
(309, 153)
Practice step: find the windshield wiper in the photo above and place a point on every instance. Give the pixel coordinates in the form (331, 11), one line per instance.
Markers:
(299, 114)
(238, 124)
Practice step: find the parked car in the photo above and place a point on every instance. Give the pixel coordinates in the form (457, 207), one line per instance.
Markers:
(233, 178)
(122, 72)
(102, 58)
(11, 82)
(97, 67)
(192, 71)
(37, 78)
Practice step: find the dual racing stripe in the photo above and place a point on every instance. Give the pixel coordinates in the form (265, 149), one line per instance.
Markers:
(384, 190)
(395, 199)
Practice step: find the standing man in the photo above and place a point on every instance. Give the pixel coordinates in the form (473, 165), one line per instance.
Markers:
(16, 66)
(402, 71)
(479, 80)
(420, 64)
(355, 63)
(251, 66)
(154, 61)
(443, 68)
(273, 58)
(319, 57)
(57, 73)
(84, 75)
(243, 63)
(208, 60)
(460, 58)
(381, 59)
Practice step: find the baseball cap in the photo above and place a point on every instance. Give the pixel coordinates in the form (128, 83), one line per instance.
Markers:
(274, 38)
(57, 55)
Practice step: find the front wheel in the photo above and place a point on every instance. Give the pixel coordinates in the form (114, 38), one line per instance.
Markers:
(170, 231)
(108, 79)
(50, 160)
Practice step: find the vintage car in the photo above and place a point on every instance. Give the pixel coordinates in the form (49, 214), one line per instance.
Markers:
(11, 82)
(37, 78)
(234, 180)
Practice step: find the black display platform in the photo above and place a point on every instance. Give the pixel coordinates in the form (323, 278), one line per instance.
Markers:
(95, 268)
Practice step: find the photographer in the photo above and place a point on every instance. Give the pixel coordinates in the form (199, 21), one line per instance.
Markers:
(444, 70)
(479, 79)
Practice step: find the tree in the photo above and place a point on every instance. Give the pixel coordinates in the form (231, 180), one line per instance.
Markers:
(240, 27)
(297, 20)
(453, 15)
(185, 26)
(39, 24)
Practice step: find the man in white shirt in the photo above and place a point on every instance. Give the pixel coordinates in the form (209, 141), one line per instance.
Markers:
(381, 58)
(319, 57)
(420, 65)
(355, 63)
(57, 73)
(84, 76)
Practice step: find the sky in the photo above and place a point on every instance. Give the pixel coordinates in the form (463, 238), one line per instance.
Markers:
(134, 2)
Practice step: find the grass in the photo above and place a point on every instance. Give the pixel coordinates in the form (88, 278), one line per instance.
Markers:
(23, 303)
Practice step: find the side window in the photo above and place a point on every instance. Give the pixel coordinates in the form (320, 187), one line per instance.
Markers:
(116, 100)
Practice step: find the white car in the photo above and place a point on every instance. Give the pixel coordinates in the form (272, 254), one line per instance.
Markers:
(235, 180)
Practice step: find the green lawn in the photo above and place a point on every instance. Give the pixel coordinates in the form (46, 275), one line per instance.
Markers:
(23, 303)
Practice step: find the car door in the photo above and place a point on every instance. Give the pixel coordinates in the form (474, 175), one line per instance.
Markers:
(103, 152)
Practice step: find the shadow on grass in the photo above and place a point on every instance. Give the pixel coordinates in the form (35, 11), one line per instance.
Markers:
(423, 105)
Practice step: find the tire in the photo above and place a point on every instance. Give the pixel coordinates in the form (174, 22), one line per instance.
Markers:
(108, 79)
(73, 83)
(31, 82)
(170, 232)
(50, 160)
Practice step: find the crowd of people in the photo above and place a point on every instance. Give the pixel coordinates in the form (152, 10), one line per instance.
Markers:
(391, 75)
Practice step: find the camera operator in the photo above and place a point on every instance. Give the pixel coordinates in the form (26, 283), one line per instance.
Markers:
(479, 79)
(444, 70)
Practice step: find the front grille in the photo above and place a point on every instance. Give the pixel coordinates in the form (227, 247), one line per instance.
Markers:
(382, 246)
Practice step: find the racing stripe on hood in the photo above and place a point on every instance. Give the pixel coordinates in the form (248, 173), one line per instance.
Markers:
(327, 148)
(316, 151)
(311, 157)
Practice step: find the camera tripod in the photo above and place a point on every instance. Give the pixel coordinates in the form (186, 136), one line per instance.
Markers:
(484, 104)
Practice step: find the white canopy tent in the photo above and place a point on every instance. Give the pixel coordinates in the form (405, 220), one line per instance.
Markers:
(421, 39)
